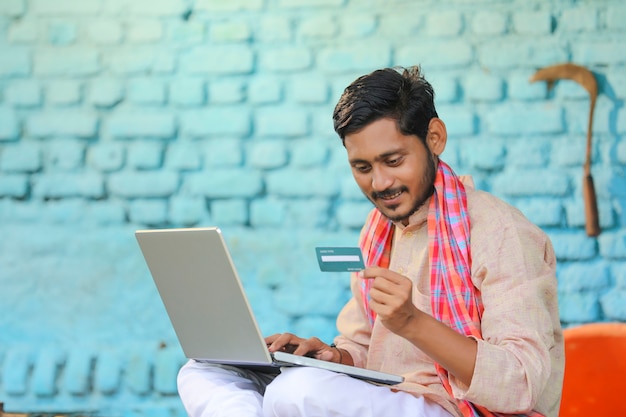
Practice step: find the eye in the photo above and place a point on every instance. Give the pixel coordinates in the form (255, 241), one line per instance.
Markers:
(362, 168)
(392, 162)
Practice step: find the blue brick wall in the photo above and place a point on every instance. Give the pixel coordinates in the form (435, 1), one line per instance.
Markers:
(118, 115)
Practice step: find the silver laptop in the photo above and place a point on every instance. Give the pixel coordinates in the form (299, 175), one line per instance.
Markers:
(208, 308)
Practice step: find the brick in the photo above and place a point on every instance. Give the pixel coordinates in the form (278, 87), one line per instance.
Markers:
(620, 153)
(186, 32)
(607, 52)
(148, 212)
(12, 8)
(504, 53)
(575, 278)
(265, 90)
(308, 213)
(105, 92)
(446, 88)
(575, 155)
(520, 88)
(145, 155)
(71, 122)
(163, 8)
(355, 58)
(579, 307)
(138, 370)
(230, 212)
(285, 59)
(15, 370)
(223, 153)
(183, 156)
(531, 182)
(459, 120)
(480, 86)
(280, 121)
(46, 371)
(64, 185)
(9, 124)
(61, 33)
(24, 93)
(106, 156)
(532, 22)
(227, 91)
(106, 212)
(215, 121)
(616, 17)
(230, 31)
(352, 215)
(357, 26)
(489, 23)
(578, 19)
(143, 184)
(105, 32)
(302, 183)
(135, 60)
(146, 91)
(317, 27)
(527, 153)
(273, 29)
(573, 246)
(22, 157)
(438, 54)
(309, 89)
(65, 7)
(308, 153)
(77, 61)
(267, 212)
(613, 245)
(575, 211)
(267, 155)
(621, 121)
(107, 373)
(23, 31)
(486, 154)
(397, 25)
(142, 123)
(613, 305)
(224, 183)
(64, 92)
(230, 6)
(144, 31)
(187, 211)
(17, 61)
(515, 119)
(166, 367)
(542, 211)
(188, 91)
(220, 59)
(13, 185)
(448, 23)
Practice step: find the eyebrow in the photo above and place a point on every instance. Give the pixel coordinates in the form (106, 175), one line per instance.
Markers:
(380, 157)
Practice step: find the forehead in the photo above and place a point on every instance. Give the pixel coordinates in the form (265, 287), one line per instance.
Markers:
(379, 138)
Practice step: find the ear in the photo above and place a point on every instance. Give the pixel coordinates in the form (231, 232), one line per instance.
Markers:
(437, 136)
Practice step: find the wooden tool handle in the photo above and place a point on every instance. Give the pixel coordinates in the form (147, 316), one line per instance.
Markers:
(592, 224)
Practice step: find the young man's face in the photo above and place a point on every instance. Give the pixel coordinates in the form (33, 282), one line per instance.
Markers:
(395, 171)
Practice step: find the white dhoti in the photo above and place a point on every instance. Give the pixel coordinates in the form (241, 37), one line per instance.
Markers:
(220, 391)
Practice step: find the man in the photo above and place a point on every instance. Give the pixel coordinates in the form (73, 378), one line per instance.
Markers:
(459, 295)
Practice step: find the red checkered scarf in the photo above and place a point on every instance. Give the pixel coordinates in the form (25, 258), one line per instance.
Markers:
(454, 299)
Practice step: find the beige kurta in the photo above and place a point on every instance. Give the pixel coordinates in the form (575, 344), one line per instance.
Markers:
(520, 361)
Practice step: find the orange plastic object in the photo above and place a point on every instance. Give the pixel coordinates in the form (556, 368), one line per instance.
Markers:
(595, 371)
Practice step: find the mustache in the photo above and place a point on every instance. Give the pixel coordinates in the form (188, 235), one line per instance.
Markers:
(387, 193)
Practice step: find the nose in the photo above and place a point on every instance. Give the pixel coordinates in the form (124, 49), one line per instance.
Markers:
(381, 180)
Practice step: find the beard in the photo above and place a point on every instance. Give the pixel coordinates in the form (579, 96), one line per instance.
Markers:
(428, 184)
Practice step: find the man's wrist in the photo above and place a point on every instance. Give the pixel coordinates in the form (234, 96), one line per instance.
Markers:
(338, 350)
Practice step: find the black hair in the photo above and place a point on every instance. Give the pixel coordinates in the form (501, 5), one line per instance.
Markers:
(402, 94)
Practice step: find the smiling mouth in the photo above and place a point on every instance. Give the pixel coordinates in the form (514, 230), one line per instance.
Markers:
(390, 196)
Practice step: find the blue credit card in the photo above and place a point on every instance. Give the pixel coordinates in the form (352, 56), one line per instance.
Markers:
(340, 259)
